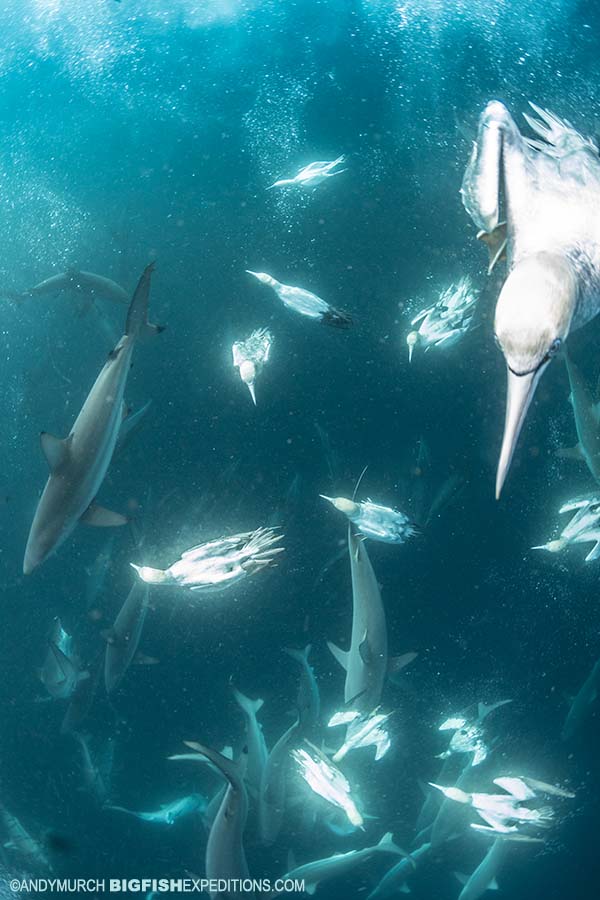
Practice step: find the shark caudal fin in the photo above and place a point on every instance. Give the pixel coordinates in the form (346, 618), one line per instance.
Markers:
(137, 324)
(249, 706)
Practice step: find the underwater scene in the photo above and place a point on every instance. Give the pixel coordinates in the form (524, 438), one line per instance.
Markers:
(300, 486)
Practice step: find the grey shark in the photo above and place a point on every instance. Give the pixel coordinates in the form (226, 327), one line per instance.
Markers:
(309, 699)
(366, 662)
(168, 813)
(61, 672)
(341, 864)
(123, 638)
(587, 422)
(225, 856)
(582, 703)
(483, 878)
(255, 739)
(80, 281)
(78, 464)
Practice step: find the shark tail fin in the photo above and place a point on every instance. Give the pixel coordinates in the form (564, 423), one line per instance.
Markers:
(251, 707)
(137, 324)
(300, 656)
(232, 770)
(387, 844)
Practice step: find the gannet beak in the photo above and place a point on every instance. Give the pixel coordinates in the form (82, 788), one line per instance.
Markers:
(411, 347)
(252, 392)
(324, 496)
(521, 389)
(438, 787)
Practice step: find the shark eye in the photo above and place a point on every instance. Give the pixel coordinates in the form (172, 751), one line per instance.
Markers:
(554, 347)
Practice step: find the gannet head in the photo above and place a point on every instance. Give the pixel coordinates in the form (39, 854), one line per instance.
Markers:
(452, 793)
(533, 318)
(150, 575)
(552, 546)
(412, 339)
(262, 276)
(348, 507)
(248, 375)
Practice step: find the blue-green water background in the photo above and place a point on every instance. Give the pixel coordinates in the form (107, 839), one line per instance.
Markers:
(150, 130)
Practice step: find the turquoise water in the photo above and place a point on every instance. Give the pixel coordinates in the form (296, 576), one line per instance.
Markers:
(135, 132)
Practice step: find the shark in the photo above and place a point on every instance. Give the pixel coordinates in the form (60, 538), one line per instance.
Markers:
(79, 463)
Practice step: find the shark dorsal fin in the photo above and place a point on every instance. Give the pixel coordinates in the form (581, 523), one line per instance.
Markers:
(56, 450)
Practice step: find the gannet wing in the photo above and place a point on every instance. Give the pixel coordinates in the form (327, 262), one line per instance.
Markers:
(498, 823)
(237, 357)
(516, 787)
(481, 183)
(545, 788)
(595, 551)
(422, 315)
(570, 505)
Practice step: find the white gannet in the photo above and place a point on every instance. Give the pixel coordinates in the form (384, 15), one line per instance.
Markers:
(468, 734)
(446, 321)
(218, 564)
(380, 523)
(504, 812)
(550, 189)
(250, 356)
(583, 528)
(327, 781)
(363, 731)
(312, 174)
(304, 302)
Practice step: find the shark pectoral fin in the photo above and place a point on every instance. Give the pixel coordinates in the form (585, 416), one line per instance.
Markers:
(493, 885)
(56, 450)
(461, 877)
(101, 517)
(571, 453)
(340, 655)
(397, 663)
(496, 243)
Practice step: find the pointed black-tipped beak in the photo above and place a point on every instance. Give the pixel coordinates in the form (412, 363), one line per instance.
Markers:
(521, 389)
